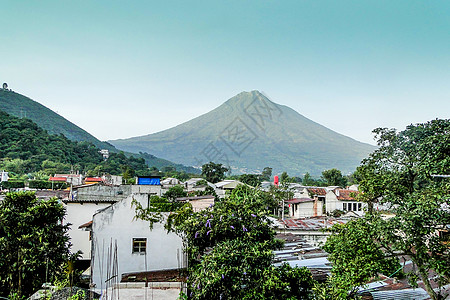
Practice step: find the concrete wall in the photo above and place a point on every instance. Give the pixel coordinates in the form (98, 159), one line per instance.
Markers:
(104, 193)
(306, 209)
(117, 224)
(78, 214)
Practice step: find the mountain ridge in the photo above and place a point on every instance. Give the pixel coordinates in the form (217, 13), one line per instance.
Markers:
(272, 134)
(20, 106)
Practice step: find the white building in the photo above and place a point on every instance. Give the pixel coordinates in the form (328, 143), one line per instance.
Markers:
(344, 200)
(305, 207)
(123, 244)
(86, 200)
(4, 176)
(226, 185)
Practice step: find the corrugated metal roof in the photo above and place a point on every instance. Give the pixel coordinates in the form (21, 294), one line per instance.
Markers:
(406, 294)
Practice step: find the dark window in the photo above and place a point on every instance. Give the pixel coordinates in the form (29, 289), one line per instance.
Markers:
(359, 206)
(139, 245)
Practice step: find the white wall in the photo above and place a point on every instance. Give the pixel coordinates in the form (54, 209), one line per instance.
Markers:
(306, 209)
(117, 223)
(78, 214)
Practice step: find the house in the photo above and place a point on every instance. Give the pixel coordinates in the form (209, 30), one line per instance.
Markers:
(122, 244)
(112, 179)
(305, 207)
(92, 180)
(170, 182)
(4, 176)
(344, 200)
(226, 185)
(73, 179)
(85, 200)
(197, 184)
(310, 229)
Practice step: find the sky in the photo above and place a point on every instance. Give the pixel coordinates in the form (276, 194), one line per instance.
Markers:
(120, 69)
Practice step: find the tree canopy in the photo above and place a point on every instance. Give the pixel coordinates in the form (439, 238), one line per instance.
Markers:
(32, 239)
(399, 175)
(213, 172)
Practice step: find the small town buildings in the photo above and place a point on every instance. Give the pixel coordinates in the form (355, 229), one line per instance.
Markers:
(86, 200)
(92, 180)
(4, 176)
(310, 229)
(170, 182)
(343, 200)
(226, 185)
(305, 207)
(123, 244)
(197, 184)
(71, 179)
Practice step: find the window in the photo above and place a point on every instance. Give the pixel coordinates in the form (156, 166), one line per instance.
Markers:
(139, 245)
(344, 206)
(354, 206)
(359, 206)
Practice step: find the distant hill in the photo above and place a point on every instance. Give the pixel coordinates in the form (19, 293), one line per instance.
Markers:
(23, 107)
(249, 132)
(20, 106)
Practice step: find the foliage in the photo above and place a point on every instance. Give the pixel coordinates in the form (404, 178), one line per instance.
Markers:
(250, 179)
(308, 180)
(13, 184)
(45, 184)
(32, 238)
(175, 192)
(333, 177)
(266, 174)
(25, 148)
(399, 175)
(281, 193)
(213, 172)
(154, 212)
(355, 255)
(230, 249)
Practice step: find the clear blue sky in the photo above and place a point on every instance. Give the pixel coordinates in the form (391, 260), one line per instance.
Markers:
(127, 68)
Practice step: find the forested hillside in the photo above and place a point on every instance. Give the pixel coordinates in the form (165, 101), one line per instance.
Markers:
(27, 148)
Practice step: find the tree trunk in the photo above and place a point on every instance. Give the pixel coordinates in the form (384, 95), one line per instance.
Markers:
(426, 282)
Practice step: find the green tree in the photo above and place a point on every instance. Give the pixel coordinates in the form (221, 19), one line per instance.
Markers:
(356, 257)
(175, 192)
(250, 179)
(334, 177)
(32, 239)
(266, 174)
(399, 174)
(213, 172)
(230, 250)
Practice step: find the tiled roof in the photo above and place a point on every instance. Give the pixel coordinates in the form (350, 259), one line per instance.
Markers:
(317, 191)
(93, 179)
(345, 194)
(85, 225)
(58, 179)
(299, 200)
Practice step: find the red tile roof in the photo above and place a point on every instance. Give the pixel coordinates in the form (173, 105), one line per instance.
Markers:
(85, 225)
(57, 179)
(317, 191)
(93, 179)
(346, 194)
